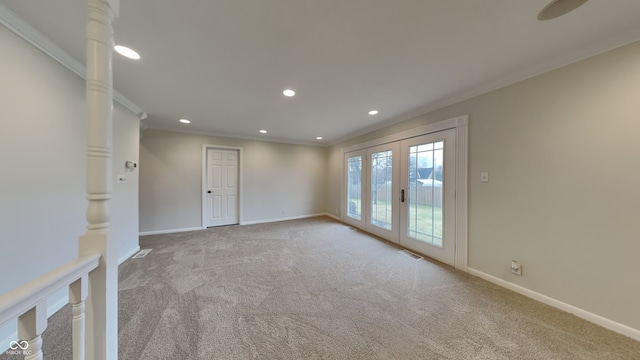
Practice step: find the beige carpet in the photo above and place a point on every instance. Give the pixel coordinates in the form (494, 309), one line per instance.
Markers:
(317, 289)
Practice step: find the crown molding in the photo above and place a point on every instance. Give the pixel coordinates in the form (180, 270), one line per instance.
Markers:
(592, 49)
(30, 34)
(264, 138)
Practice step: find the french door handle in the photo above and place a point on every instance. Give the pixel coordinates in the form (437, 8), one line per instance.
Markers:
(402, 195)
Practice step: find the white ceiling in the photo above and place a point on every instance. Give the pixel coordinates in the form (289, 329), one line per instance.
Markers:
(223, 64)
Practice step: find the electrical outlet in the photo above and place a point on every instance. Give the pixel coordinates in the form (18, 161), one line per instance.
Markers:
(516, 268)
(121, 179)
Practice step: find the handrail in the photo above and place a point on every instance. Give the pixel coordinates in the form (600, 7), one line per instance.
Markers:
(22, 299)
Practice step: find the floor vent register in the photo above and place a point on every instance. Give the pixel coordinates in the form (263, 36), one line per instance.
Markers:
(142, 253)
(410, 254)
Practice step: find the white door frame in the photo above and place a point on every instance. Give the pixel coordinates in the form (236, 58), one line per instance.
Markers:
(461, 124)
(206, 147)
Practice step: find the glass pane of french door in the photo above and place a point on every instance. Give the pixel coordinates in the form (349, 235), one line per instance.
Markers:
(382, 205)
(427, 214)
(354, 187)
(381, 189)
(425, 172)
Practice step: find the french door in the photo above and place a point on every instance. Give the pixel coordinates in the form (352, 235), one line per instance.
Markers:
(383, 189)
(404, 191)
(355, 188)
(428, 208)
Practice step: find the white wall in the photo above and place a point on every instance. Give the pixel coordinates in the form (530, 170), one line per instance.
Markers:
(280, 180)
(42, 154)
(562, 150)
(124, 204)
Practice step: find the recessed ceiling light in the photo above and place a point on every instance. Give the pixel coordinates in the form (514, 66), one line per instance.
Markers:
(126, 52)
(185, 121)
(318, 137)
(558, 8)
(263, 131)
(288, 92)
(373, 112)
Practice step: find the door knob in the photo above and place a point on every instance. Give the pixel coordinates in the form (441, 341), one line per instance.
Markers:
(209, 192)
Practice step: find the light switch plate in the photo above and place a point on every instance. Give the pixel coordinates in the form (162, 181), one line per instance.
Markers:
(484, 177)
(121, 179)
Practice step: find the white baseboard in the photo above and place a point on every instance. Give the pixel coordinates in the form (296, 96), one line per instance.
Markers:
(128, 254)
(581, 313)
(169, 231)
(334, 217)
(253, 222)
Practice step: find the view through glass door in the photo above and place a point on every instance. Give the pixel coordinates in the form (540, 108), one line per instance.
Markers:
(404, 191)
(354, 171)
(382, 195)
(428, 210)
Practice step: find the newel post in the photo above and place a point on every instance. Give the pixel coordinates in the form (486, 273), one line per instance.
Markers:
(102, 302)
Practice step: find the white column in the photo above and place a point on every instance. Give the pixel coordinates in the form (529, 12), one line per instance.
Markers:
(77, 296)
(31, 325)
(102, 303)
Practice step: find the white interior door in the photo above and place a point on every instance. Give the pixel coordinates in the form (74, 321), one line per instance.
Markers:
(222, 187)
(427, 213)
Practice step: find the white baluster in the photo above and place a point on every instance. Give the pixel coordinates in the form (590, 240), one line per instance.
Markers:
(102, 302)
(77, 295)
(31, 325)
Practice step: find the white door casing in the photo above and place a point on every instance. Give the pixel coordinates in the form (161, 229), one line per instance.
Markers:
(221, 190)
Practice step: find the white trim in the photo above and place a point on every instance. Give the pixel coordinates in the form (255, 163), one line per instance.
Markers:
(168, 231)
(59, 303)
(171, 231)
(56, 306)
(205, 147)
(223, 135)
(128, 254)
(253, 222)
(581, 313)
(462, 185)
(51, 309)
(589, 50)
(333, 217)
(34, 37)
(407, 134)
(21, 299)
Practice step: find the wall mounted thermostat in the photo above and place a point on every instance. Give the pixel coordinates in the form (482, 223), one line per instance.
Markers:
(130, 165)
